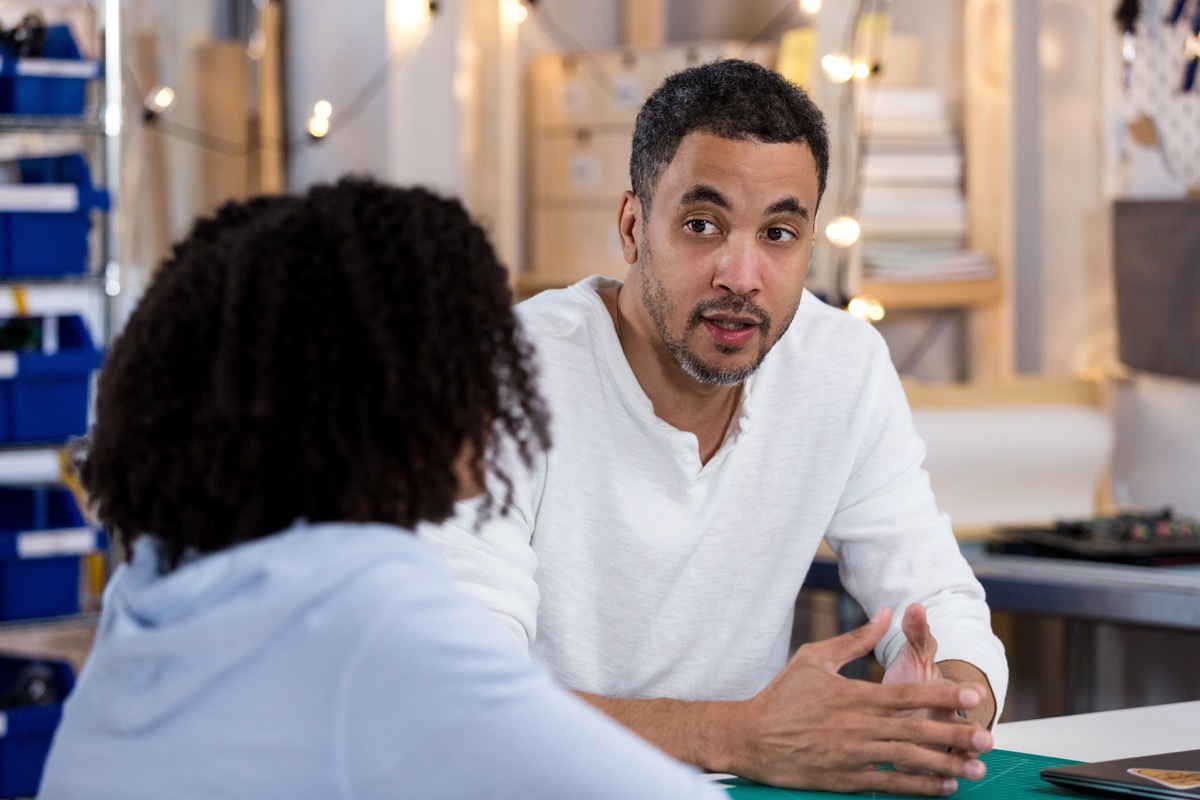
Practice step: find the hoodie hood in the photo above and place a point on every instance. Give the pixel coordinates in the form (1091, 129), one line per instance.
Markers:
(164, 637)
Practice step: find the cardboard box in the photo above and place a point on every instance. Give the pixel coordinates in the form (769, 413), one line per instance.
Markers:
(570, 242)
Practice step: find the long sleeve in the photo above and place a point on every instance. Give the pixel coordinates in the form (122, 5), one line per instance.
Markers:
(895, 547)
(479, 719)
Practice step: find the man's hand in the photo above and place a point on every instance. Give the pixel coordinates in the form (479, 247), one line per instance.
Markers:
(811, 728)
(915, 664)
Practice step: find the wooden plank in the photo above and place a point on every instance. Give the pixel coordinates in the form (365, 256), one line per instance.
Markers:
(154, 205)
(988, 144)
(1023, 391)
(271, 137)
(644, 22)
(923, 295)
(223, 166)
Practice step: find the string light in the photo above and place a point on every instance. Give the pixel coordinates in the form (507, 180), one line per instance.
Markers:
(516, 11)
(866, 308)
(412, 13)
(811, 7)
(157, 101)
(318, 124)
(838, 67)
(843, 231)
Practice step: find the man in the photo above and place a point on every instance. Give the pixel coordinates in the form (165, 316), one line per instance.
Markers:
(712, 421)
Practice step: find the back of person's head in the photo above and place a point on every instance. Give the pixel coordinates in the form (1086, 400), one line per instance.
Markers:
(325, 357)
(729, 98)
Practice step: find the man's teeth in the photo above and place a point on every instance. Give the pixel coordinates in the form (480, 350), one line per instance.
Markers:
(729, 326)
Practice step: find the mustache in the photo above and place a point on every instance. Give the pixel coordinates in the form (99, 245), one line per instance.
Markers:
(732, 304)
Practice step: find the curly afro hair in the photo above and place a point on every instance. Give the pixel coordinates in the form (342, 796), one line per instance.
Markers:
(325, 357)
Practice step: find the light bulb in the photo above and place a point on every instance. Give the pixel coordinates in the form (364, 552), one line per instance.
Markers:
(318, 127)
(843, 231)
(411, 13)
(159, 98)
(517, 11)
(323, 109)
(810, 6)
(866, 308)
(862, 70)
(838, 67)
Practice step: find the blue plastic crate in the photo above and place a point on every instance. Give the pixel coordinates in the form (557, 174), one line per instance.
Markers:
(42, 536)
(27, 728)
(44, 395)
(53, 84)
(45, 219)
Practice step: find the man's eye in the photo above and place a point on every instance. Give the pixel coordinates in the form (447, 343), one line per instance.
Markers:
(780, 235)
(701, 226)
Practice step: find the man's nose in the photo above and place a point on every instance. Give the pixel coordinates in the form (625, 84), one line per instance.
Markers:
(741, 266)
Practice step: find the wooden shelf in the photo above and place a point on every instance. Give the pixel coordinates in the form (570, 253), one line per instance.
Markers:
(914, 295)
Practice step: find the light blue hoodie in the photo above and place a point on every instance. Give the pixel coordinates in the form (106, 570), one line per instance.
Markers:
(328, 661)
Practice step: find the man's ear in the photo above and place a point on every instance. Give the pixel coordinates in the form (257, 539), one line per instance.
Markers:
(629, 225)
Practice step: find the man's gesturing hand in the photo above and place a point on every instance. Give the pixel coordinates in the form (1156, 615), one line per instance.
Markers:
(915, 663)
(811, 728)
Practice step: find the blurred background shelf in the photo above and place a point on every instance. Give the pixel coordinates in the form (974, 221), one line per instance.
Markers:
(915, 295)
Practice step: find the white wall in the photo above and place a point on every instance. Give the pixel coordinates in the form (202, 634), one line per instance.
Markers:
(416, 129)
(395, 79)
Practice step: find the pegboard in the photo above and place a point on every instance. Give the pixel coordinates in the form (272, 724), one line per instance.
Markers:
(1155, 90)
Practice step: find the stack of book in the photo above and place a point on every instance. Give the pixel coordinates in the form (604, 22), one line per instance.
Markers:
(911, 207)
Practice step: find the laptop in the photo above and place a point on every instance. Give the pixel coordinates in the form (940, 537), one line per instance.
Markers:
(1173, 776)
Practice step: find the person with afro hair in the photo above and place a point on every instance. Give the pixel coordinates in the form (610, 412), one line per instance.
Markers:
(307, 381)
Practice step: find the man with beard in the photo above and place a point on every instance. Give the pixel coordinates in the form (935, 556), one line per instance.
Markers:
(712, 422)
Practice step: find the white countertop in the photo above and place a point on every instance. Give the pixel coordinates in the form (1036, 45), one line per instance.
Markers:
(1105, 735)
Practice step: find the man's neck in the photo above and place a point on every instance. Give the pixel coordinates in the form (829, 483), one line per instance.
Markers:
(681, 401)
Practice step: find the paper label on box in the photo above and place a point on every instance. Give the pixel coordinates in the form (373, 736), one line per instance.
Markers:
(57, 68)
(9, 365)
(585, 171)
(56, 542)
(39, 197)
(627, 91)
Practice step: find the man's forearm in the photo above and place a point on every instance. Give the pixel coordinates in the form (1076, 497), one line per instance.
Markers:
(695, 732)
(965, 672)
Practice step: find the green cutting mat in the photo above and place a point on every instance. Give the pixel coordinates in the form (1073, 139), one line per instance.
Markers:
(1010, 776)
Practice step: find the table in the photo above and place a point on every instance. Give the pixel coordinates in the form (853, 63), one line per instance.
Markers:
(1081, 592)
(1105, 735)
(1165, 597)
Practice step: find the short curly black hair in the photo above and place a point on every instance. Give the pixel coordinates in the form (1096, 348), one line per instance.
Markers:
(729, 98)
(324, 357)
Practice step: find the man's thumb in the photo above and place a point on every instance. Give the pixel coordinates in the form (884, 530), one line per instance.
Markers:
(833, 654)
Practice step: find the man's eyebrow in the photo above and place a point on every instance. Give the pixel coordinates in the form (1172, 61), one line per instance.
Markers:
(787, 205)
(703, 193)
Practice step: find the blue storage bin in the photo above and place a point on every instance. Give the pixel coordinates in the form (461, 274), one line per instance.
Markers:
(44, 395)
(42, 536)
(45, 219)
(28, 717)
(53, 84)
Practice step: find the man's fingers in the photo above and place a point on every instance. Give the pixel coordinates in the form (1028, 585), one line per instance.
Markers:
(954, 736)
(913, 696)
(833, 654)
